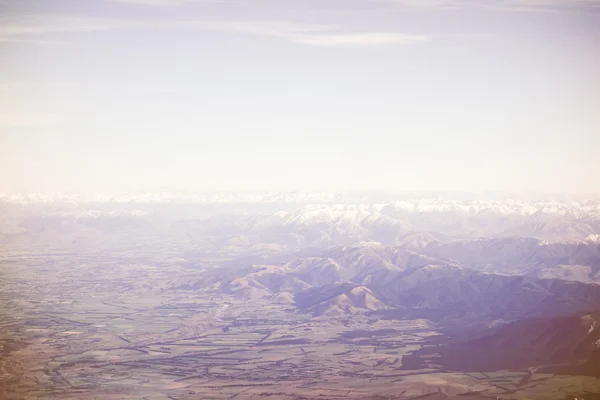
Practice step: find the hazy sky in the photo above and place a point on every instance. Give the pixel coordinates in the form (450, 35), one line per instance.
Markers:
(99, 95)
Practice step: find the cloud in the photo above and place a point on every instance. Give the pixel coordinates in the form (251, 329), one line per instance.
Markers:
(422, 4)
(426, 4)
(558, 5)
(20, 27)
(542, 5)
(163, 3)
(360, 39)
(319, 35)
(36, 26)
(523, 5)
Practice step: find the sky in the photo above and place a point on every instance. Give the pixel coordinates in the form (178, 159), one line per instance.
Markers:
(395, 95)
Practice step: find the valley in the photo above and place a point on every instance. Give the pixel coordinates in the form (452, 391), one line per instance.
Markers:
(162, 308)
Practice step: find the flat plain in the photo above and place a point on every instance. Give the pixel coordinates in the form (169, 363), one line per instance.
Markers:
(106, 326)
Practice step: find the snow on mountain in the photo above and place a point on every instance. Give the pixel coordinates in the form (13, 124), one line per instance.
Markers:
(593, 238)
(296, 219)
(328, 205)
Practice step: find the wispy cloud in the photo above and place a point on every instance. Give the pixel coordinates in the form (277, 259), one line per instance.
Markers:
(542, 5)
(360, 39)
(525, 5)
(425, 4)
(163, 3)
(23, 28)
(548, 2)
(20, 27)
(419, 4)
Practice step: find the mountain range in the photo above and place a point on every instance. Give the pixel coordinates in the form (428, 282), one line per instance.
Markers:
(513, 283)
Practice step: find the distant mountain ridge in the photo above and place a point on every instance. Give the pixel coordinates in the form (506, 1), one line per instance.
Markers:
(404, 282)
(415, 223)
